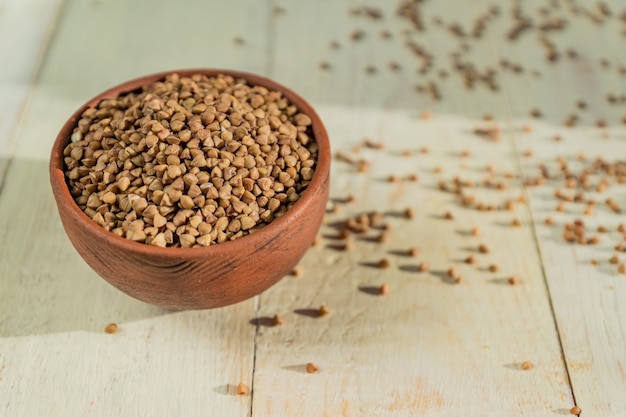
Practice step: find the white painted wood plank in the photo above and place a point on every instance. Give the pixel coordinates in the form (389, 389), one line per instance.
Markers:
(46, 286)
(555, 92)
(430, 347)
(589, 300)
(184, 363)
(429, 359)
(54, 312)
(79, 66)
(54, 307)
(53, 315)
(304, 32)
(25, 28)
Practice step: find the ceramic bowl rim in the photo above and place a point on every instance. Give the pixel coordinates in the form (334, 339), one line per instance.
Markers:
(258, 238)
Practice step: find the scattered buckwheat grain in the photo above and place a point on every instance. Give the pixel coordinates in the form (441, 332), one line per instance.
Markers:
(526, 366)
(575, 410)
(312, 368)
(513, 280)
(110, 328)
(242, 389)
(323, 311)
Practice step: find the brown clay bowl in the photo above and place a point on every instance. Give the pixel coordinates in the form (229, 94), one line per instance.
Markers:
(196, 278)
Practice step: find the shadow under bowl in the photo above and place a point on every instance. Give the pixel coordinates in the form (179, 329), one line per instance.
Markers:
(196, 278)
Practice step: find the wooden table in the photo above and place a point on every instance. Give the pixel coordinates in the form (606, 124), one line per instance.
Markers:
(431, 347)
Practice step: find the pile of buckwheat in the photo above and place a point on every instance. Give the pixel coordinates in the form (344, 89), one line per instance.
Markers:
(190, 161)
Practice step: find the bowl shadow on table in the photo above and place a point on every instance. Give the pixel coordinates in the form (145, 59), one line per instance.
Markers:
(46, 286)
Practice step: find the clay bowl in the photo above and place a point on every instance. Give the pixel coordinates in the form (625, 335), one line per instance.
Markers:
(196, 278)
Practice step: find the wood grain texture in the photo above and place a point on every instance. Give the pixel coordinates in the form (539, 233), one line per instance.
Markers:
(54, 308)
(144, 47)
(25, 29)
(53, 313)
(588, 300)
(589, 70)
(186, 363)
(430, 347)
(360, 71)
